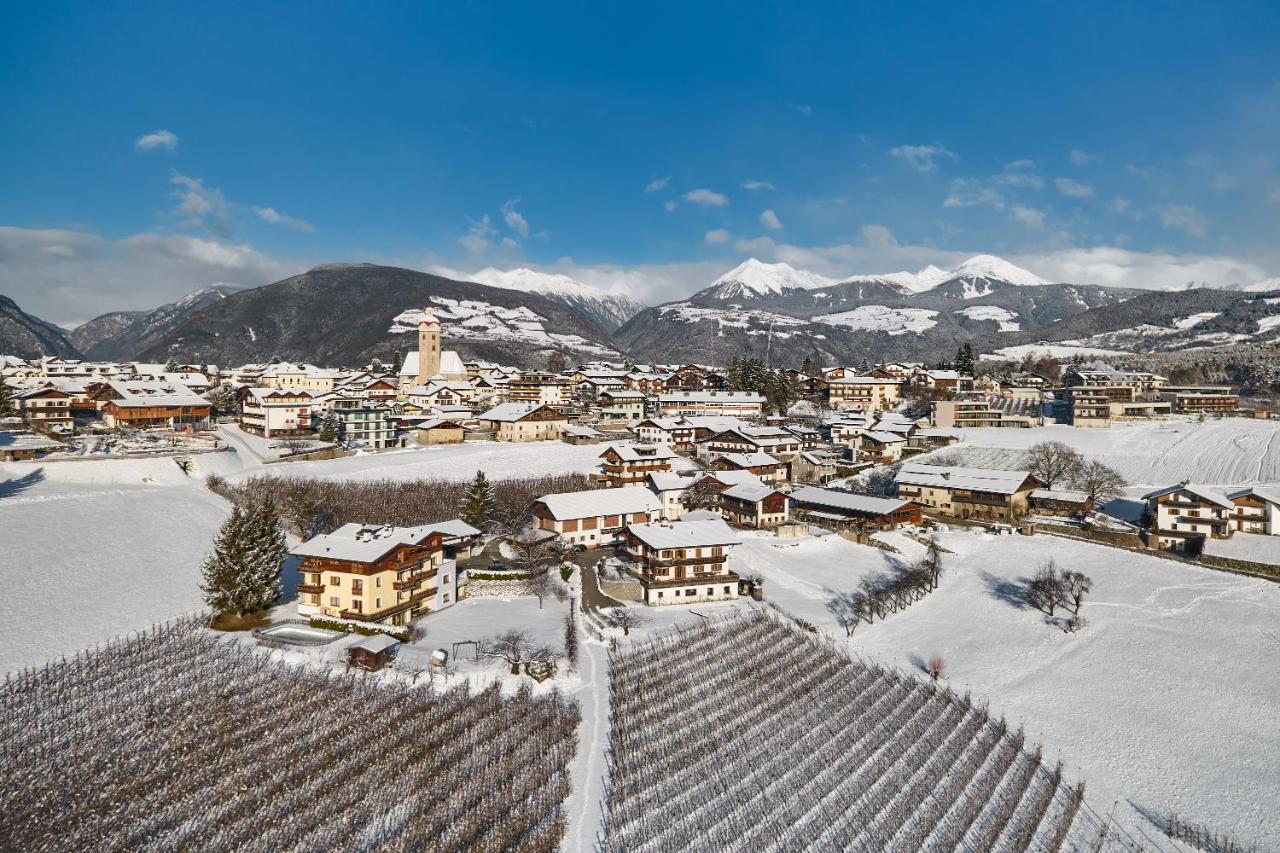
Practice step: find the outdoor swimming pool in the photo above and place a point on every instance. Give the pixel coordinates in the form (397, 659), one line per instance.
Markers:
(298, 634)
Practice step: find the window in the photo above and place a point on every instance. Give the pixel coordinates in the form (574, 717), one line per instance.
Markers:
(377, 581)
(446, 598)
(659, 593)
(334, 601)
(726, 590)
(377, 603)
(335, 580)
(688, 592)
(446, 579)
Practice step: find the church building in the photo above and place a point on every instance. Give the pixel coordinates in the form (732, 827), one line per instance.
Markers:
(428, 362)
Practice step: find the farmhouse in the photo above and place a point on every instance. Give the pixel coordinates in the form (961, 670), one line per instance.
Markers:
(860, 510)
(595, 517)
(1183, 516)
(631, 464)
(762, 465)
(524, 422)
(375, 573)
(682, 562)
(1256, 511)
(754, 505)
(978, 493)
(440, 431)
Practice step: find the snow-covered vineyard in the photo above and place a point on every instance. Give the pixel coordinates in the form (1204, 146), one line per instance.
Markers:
(175, 739)
(750, 734)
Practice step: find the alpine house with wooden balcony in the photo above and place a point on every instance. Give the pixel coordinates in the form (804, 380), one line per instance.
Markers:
(683, 562)
(631, 464)
(376, 573)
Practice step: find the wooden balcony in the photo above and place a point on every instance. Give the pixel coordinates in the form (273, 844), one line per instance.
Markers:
(684, 561)
(314, 589)
(698, 578)
(387, 612)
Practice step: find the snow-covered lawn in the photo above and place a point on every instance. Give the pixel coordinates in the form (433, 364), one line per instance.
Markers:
(90, 551)
(1229, 451)
(1246, 546)
(1167, 701)
(498, 460)
(481, 618)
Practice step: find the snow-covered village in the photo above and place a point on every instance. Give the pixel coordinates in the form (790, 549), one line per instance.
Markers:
(795, 540)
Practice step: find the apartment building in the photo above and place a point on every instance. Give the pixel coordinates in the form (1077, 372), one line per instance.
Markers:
(376, 573)
(864, 393)
(979, 493)
(46, 409)
(272, 412)
(683, 562)
(740, 404)
(621, 406)
(595, 517)
(1196, 399)
(362, 423)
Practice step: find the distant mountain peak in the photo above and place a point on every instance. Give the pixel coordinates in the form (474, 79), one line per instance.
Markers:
(989, 266)
(609, 308)
(753, 277)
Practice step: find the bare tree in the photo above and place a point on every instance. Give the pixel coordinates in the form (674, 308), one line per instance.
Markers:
(517, 648)
(1052, 462)
(1075, 585)
(880, 481)
(626, 618)
(936, 667)
(704, 494)
(540, 584)
(1099, 481)
(1045, 590)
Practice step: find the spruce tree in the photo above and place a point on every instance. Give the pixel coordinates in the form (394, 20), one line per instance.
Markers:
(225, 576)
(7, 408)
(807, 367)
(328, 428)
(477, 508)
(267, 550)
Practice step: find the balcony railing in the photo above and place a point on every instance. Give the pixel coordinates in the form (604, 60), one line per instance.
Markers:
(697, 578)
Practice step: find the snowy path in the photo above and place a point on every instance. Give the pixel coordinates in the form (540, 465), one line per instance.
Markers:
(588, 771)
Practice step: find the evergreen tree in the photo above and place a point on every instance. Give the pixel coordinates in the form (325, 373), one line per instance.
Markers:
(328, 428)
(807, 367)
(865, 367)
(170, 365)
(966, 362)
(225, 576)
(267, 550)
(7, 407)
(478, 507)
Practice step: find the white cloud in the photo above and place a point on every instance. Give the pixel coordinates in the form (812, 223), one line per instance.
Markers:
(878, 236)
(967, 192)
(804, 110)
(1073, 189)
(657, 184)
(1028, 216)
(270, 214)
(1274, 196)
(480, 233)
(922, 158)
(1182, 217)
(669, 206)
(1117, 267)
(1020, 174)
(770, 220)
(157, 140)
(706, 198)
(1121, 206)
(1082, 158)
(69, 277)
(717, 236)
(201, 206)
(514, 220)
(756, 185)
(757, 246)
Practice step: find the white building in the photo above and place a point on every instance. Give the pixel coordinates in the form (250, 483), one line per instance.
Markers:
(271, 412)
(683, 562)
(595, 517)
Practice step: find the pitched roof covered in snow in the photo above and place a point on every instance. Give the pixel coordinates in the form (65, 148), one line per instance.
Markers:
(684, 534)
(1270, 495)
(510, 412)
(953, 477)
(750, 492)
(362, 543)
(640, 452)
(593, 503)
(749, 460)
(831, 499)
(1204, 493)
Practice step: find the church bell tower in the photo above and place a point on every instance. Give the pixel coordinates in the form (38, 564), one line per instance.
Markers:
(428, 347)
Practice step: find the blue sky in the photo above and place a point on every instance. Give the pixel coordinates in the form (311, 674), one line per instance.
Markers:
(648, 149)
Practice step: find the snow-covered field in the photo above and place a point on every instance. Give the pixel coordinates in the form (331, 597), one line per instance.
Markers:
(1007, 319)
(881, 318)
(91, 550)
(498, 460)
(1246, 546)
(1062, 350)
(1229, 451)
(1165, 702)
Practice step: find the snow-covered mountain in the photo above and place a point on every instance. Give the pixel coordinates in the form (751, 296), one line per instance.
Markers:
(123, 334)
(609, 309)
(978, 268)
(753, 279)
